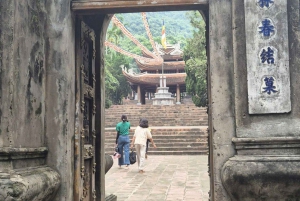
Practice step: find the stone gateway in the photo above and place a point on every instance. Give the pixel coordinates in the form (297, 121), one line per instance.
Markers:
(52, 97)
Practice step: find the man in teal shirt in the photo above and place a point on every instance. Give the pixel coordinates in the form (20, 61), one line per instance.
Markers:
(123, 141)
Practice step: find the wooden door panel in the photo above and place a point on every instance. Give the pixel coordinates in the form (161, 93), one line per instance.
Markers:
(84, 185)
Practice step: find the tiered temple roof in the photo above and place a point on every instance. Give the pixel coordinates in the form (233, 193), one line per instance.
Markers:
(171, 65)
(153, 79)
(149, 78)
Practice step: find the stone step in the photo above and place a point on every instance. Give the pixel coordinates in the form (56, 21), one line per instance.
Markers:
(122, 110)
(185, 152)
(168, 139)
(164, 133)
(164, 137)
(176, 152)
(189, 138)
(161, 149)
(164, 123)
(172, 144)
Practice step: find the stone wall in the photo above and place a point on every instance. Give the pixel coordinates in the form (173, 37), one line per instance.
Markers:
(37, 92)
(221, 93)
(37, 106)
(267, 145)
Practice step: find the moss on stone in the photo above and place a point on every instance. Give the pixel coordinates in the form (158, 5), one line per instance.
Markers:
(34, 23)
(39, 110)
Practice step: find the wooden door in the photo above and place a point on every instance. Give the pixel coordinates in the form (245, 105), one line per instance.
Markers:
(85, 134)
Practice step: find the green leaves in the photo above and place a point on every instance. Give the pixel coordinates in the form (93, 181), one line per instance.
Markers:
(196, 61)
(116, 85)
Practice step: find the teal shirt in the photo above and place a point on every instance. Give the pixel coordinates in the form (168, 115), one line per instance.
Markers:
(123, 127)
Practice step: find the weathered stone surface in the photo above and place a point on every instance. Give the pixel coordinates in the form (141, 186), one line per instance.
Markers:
(37, 86)
(221, 92)
(274, 64)
(262, 178)
(37, 91)
(267, 125)
(134, 5)
(29, 185)
(108, 162)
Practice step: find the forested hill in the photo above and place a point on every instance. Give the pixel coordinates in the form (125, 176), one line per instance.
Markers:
(177, 25)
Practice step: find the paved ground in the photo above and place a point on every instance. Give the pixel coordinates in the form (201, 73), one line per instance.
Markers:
(166, 178)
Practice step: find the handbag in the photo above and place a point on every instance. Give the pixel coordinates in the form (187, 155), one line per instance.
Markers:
(132, 157)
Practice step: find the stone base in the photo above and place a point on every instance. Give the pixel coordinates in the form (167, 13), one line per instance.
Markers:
(40, 183)
(157, 101)
(108, 162)
(262, 178)
(163, 97)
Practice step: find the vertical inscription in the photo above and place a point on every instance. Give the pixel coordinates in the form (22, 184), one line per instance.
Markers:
(267, 56)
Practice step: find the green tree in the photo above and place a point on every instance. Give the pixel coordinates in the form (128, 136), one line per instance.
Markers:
(116, 85)
(196, 60)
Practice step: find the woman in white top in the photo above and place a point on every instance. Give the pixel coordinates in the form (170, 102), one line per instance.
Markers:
(141, 134)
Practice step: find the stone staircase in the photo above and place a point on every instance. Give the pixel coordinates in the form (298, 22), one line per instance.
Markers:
(176, 129)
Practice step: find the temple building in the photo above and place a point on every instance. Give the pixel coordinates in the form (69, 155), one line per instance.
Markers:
(146, 83)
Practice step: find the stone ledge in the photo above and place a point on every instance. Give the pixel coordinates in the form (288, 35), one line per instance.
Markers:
(267, 146)
(8, 153)
(260, 178)
(100, 4)
(266, 158)
(40, 183)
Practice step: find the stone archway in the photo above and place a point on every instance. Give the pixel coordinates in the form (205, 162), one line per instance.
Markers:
(94, 9)
(38, 96)
(102, 10)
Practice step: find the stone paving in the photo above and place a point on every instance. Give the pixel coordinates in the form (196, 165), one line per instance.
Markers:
(166, 178)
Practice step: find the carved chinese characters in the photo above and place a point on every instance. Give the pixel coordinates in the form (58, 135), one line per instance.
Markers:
(267, 56)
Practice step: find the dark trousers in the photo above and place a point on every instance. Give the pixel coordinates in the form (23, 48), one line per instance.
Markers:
(147, 145)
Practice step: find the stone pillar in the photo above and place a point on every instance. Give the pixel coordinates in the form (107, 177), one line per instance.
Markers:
(143, 97)
(37, 93)
(139, 95)
(178, 94)
(267, 143)
(163, 81)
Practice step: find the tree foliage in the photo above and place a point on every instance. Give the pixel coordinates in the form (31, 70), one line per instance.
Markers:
(116, 85)
(196, 60)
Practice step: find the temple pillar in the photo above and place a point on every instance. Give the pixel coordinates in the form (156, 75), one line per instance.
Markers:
(143, 97)
(139, 95)
(178, 94)
(163, 81)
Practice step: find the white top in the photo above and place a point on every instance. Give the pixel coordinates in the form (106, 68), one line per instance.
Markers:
(141, 135)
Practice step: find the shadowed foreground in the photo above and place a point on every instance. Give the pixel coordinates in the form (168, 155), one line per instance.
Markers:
(166, 177)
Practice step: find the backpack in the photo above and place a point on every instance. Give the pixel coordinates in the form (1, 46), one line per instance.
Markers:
(132, 157)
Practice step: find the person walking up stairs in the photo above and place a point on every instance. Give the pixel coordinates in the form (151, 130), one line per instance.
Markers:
(178, 129)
